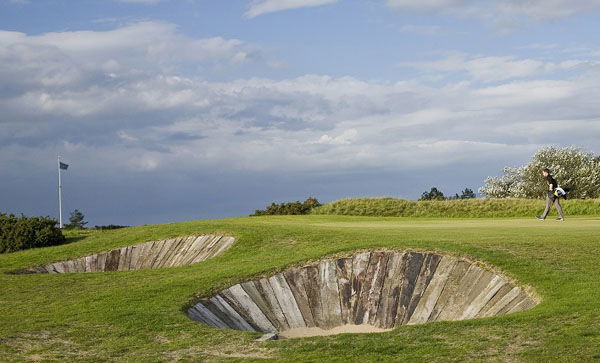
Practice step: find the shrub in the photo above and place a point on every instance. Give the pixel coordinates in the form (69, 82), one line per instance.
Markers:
(433, 194)
(573, 168)
(76, 220)
(290, 208)
(20, 233)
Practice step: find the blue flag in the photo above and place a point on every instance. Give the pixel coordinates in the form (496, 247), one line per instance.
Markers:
(63, 166)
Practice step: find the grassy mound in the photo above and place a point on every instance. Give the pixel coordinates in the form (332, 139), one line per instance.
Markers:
(139, 315)
(455, 208)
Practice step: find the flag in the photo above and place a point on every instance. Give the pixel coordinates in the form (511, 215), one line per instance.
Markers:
(63, 166)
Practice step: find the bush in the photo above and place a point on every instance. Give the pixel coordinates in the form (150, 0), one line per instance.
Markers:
(290, 208)
(573, 168)
(20, 233)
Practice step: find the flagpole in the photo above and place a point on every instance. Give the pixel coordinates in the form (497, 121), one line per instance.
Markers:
(59, 196)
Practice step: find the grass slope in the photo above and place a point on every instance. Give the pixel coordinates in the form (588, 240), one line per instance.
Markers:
(456, 208)
(137, 315)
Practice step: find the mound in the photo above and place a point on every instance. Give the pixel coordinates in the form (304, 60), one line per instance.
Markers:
(380, 289)
(455, 208)
(149, 255)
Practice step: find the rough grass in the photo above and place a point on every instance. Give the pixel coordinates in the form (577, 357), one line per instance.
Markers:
(137, 315)
(456, 208)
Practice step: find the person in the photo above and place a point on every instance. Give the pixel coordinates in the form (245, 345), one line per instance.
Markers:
(552, 196)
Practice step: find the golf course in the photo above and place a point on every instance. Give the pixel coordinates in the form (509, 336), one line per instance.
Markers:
(141, 314)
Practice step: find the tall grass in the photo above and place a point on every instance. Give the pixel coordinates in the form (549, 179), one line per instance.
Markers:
(456, 208)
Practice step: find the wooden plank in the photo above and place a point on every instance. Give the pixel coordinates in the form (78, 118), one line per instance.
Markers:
(148, 255)
(122, 259)
(371, 288)
(526, 303)
(310, 278)
(503, 302)
(433, 291)
(296, 282)
(112, 260)
(286, 300)
(266, 291)
(135, 255)
(505, 289)
(165, 259)
(195, 249)
(261, 302)
(183, 252)
(360, 262)
(247, 308)
(413, 268)
(101, 261)
(453, 310)
(390, 293)
(426, 265)
(344, 278)
(177, 249)
(88, 263)
(236, 320)
(224, 245)
(69, 266)
(219, 311)
(79, 264)
(207, 249)
(522, 296)
(377, 282)
(478, 302)
(450, 291)
(330, 295)
(94, 262)
(165, 248)
(208, 317)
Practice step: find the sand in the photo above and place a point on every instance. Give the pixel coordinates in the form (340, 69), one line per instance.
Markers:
(314, 332)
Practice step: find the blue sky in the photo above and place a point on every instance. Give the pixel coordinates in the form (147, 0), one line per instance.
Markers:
(176, 110)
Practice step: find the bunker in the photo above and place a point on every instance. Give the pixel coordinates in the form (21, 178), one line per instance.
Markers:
(367, 292)
(149, 255)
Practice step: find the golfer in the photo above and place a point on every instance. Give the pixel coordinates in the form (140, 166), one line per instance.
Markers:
(552, 196)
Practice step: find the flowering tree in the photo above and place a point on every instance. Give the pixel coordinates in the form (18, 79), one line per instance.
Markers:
(572, 167)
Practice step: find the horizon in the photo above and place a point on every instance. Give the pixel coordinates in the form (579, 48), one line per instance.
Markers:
(181, 110)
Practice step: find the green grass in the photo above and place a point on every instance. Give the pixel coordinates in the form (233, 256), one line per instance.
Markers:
(456, 208)
(137, 315)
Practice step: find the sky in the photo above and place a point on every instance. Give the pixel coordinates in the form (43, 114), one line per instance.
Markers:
(173, 110)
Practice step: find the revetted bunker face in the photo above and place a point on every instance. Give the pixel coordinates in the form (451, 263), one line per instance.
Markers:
(149, 255)
(380, 289)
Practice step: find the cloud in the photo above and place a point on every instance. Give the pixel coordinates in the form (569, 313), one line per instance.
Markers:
(259, 7)
(497, 68)
(505, 13)
(123, 102)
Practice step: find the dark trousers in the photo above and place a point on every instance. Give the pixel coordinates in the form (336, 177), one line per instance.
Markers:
(552, 199)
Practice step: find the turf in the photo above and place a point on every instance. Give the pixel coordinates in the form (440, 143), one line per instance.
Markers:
(138, 316)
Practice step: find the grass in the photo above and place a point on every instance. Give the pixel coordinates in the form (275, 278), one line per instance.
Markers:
(456, 208)
(137, 315)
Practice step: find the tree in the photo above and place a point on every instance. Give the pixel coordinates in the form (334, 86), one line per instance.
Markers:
(433, 194)
(468, 194)
(574, 169)
(76, 220)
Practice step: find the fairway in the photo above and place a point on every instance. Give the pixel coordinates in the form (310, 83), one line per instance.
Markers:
(139, 315)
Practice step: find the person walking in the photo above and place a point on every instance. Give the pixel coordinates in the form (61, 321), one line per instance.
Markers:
(552, 196)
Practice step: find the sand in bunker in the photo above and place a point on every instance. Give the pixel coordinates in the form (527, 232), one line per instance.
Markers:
(314, 332)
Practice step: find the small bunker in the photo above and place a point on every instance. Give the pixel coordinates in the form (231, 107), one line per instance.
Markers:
(368, 292)
(149, 255)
